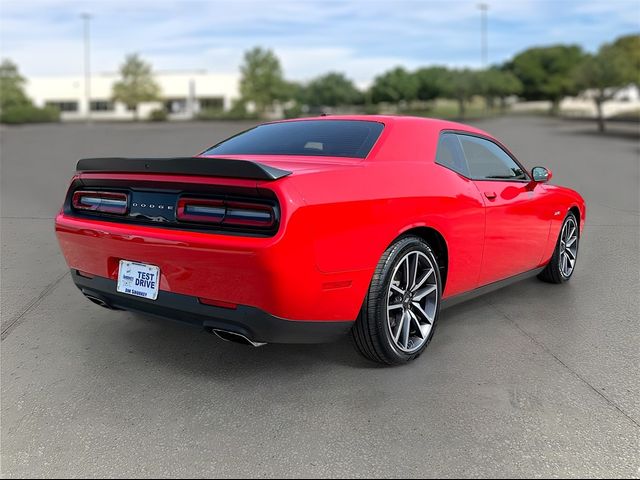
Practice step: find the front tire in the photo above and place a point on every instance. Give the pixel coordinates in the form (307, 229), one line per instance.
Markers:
(401, 309)
(563, 261)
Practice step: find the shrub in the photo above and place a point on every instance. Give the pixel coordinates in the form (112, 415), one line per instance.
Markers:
(29, 114)
(237, 112)
(371, 109)
(293, 112)
(158, 115)
(210, 114)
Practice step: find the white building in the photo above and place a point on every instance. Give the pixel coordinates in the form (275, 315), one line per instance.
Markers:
(625, 101)
(183, 95)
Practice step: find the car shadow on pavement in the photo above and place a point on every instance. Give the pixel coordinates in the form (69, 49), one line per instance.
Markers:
(198, 352)
(143, 341)
(148, 340)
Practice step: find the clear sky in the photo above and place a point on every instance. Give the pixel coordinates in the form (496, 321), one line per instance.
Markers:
(358, 37)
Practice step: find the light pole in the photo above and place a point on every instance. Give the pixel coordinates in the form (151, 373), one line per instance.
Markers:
(484, 46)
(86, 17)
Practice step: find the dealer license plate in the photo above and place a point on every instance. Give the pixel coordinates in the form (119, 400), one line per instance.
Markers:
(138, 279)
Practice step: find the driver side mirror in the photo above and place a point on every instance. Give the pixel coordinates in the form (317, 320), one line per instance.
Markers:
(541, 174)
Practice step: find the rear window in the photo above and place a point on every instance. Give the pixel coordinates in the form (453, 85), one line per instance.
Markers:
(332, 138)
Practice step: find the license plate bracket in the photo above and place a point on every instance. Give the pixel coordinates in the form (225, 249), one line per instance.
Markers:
(138, 279)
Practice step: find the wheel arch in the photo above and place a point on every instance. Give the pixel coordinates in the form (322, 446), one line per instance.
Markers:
(576, 211)
(438, 244)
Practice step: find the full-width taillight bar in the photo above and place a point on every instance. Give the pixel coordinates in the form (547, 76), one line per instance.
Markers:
(104, 202)
(225, 212)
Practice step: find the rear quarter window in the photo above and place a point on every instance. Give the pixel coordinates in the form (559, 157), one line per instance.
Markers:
(450, 154)
(333, 138)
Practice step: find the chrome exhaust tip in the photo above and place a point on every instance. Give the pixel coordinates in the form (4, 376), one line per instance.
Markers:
(234, 337)
(97, 301)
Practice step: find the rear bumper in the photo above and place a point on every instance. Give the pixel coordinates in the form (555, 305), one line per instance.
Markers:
(253, 323)
(276, 274)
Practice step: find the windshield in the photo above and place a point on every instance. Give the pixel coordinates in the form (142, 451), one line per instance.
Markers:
(332, 138)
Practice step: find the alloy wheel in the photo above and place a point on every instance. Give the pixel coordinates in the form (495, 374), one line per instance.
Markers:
(568, 247)
(412, 301)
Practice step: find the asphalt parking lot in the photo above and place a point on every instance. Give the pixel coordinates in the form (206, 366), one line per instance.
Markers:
(533, 380)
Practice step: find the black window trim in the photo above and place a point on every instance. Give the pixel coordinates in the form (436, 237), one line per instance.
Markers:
(497, 144)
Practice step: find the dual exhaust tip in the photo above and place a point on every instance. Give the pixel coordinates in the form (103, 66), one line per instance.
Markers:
(225, 335)
(234, 337)
(99, 301)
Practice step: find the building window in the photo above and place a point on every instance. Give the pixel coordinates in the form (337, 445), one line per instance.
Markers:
(176, 105)
(64, 106)
(101, 106)
(211, 103)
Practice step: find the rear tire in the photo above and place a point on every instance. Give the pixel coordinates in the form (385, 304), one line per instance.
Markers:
(401, 309)
(563, 261)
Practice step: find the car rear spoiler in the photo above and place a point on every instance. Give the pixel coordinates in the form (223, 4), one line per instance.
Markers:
(215, 167)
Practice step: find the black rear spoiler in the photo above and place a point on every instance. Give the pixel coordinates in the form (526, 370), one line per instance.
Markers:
(215, 167)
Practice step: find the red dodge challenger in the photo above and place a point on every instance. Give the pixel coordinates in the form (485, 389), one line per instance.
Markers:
(302, 231)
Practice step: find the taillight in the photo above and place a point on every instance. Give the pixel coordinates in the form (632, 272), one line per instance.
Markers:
(226, 212)
(103, 202)
(249, 214)
(200, 210)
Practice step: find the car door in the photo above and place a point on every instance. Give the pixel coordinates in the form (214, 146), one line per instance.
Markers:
(465, 214)
(516, 222)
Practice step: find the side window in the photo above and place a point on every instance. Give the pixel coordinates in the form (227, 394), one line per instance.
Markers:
(449, 154)
(487, 161)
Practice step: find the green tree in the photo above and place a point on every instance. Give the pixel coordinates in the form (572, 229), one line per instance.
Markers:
(394, 86)
(627, 51)
(461, 86)
(137, 84)
(295, 91)
(613, 67)
(261, 79)
(332, 90)
(497, 84)
(11, 86)
(546, 73)
(431, 82)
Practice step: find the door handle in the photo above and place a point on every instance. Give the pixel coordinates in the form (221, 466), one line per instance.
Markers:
(490, 195)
